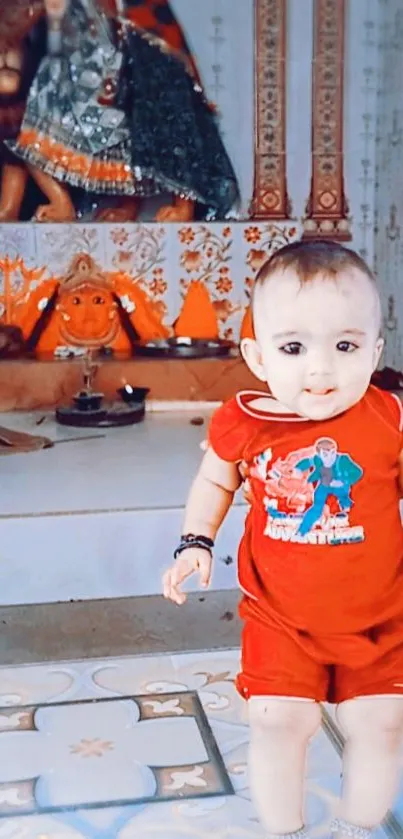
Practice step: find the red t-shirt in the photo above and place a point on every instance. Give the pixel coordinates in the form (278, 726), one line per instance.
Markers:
(322, 551)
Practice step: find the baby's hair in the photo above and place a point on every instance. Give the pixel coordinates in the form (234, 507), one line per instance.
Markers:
(313, 259)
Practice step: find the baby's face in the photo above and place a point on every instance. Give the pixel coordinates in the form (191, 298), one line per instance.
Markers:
(317, 344)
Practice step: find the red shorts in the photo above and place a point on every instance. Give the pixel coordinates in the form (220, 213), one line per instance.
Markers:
(274, 664)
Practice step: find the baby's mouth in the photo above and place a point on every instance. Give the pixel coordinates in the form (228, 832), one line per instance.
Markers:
(319, 391)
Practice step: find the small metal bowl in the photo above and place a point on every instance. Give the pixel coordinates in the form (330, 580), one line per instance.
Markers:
(84, 401)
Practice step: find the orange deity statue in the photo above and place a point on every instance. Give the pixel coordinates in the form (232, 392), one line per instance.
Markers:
(88, 309)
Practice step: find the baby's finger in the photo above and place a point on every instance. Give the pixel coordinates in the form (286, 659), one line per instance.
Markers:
(179, 573)
(171, 590)
(166, 584)
(205, 570)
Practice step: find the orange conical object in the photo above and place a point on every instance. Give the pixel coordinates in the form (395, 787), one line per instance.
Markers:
(247, 330)
(197, 318)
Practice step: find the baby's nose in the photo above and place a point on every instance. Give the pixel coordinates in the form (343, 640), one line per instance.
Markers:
(320, 368)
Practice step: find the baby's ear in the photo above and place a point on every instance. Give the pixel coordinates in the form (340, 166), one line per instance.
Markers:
(379, 346)
(253, 358)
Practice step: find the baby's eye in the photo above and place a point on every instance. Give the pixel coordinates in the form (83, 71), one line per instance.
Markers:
(346, 346)
(293, 348)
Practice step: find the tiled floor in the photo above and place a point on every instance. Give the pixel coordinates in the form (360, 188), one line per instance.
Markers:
(133, 748)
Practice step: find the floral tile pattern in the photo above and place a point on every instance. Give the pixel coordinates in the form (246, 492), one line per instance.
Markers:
(87, 737)
(162, 260)
(97, 753)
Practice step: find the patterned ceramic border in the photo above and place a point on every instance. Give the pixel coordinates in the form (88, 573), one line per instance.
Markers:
(183, 781)
(163, 260)
(327, 210)
(270, 199)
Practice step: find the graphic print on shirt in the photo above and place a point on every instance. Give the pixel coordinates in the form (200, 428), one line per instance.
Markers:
(308, 494)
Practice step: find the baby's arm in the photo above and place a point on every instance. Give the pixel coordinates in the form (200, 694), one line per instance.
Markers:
(210, 498)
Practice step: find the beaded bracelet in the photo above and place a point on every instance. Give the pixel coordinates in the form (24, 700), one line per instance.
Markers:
(189, 540)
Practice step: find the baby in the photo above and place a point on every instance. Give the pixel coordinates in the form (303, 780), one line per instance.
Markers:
(321, 558)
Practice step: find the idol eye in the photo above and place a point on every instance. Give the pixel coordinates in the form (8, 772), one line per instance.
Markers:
(76, 301)
(346, 346)
(98, 301)
(293, 348)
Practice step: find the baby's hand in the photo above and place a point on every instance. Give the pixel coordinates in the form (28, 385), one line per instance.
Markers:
(188, 562)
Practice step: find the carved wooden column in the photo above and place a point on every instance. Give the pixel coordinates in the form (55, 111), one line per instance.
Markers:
(327, 209)
(270, 199)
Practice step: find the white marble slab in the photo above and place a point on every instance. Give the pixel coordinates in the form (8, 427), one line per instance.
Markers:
(101, 517)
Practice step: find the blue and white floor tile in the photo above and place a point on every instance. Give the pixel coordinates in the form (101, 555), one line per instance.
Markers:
(136, 748)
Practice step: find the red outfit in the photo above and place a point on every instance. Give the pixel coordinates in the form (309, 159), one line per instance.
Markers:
(321, 559)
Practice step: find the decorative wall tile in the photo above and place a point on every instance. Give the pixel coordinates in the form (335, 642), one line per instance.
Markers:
(18, 241)
(299, 103)
(327, 207)
(56, 244)
(163, 260)
(270, 200)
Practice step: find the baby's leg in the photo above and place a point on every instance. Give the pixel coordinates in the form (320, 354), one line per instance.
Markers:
(280, 730)
(373, 728)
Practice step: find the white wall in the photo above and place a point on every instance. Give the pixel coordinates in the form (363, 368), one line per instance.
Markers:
(361, 70)
(389, 177)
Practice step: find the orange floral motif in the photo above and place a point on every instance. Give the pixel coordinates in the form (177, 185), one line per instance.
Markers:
(224, 309)
(249, 282)
(186, 235)
(191, 260)
(119, 236)
(124, 258)
(226, 232)
(92, 748)
(157, 286)
(252, 234)
(224, 284)
(256, 258)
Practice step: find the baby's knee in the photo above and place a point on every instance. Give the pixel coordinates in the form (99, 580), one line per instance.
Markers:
(372, 718)
(301, 718)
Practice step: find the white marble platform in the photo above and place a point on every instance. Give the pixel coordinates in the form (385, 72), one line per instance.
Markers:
(99, 517)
